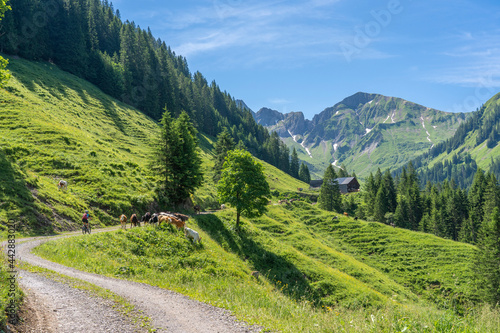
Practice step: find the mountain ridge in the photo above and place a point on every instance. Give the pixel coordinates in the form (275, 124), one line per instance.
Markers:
(350, 131)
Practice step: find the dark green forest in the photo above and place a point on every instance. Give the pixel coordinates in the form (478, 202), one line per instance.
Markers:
(88, 38)
(443, 209)
(462, 167)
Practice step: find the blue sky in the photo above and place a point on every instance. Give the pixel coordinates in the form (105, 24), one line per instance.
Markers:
(308, 55)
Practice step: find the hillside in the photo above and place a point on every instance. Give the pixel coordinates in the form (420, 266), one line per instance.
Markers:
(473, 146)
(317, 274)
(54, 125)
(89, 39)
(364, 132)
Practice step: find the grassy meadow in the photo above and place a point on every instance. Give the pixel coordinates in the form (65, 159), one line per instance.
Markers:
(317, 274)
(55, 126)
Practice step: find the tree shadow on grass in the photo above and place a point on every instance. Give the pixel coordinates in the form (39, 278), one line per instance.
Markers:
(278, 269)
(17, 200)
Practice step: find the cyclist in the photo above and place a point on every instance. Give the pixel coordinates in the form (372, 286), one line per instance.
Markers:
(85, 219)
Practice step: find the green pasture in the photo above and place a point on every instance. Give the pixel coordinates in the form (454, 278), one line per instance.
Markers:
(316, 274)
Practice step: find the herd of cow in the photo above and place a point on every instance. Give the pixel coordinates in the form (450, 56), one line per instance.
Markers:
(176, 219)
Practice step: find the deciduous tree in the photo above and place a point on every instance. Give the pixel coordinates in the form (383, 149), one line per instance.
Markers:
(243, 185)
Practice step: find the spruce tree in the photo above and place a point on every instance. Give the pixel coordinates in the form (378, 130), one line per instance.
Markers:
(370, 194)
(476, 202)
(304, 174)
(486, 263)
(342, 172)
(224, 144)
(329, 196)
(179, 159)
(381, 204)
(294, 164)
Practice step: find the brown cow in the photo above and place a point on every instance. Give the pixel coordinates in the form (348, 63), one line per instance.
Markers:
(197, 209)
(134, 221)
(178, 223)
(163, 218)
(123, 221)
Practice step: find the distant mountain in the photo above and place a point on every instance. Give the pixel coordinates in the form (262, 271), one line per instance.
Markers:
(241, 104)
(364, 132)
(267, 117)
(474, 145)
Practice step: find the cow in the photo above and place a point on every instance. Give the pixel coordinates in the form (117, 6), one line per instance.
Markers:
(123, 221)
(193, 235)
(222, 206)
(178, 223)
(345, 214)
(182, 217)
(146, 217)
(153, 219)
(163, 218)
(197, 209)
(62, 185)
(134, 221)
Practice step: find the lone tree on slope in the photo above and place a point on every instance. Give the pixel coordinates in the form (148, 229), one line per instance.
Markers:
(243, 185)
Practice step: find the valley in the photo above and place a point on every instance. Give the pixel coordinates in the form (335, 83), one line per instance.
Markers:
(95, 101)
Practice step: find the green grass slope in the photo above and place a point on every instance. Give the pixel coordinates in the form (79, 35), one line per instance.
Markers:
(55, 126)
(317, 274)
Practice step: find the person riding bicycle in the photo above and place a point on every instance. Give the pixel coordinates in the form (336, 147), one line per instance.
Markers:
(85, 219)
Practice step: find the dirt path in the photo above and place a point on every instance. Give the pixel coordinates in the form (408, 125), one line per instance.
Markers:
(168, 311)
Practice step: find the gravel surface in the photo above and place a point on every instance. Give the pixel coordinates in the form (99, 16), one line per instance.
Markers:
(74, 311)
(168, 310)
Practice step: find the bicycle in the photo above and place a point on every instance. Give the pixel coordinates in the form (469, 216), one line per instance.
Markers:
(86, 229)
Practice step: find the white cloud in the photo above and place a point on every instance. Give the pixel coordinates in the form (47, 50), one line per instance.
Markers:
(280, 101)
(472, 61)
(278, 29)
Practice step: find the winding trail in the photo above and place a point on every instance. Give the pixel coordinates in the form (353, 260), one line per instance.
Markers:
(169, 311)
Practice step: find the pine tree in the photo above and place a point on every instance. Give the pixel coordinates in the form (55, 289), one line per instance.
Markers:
(224, 144)
(329, 196)
(486, 263)
(179, 159)
(294, 164)
(304, 174)
(381, 204)
(370, 194)
(476, 202)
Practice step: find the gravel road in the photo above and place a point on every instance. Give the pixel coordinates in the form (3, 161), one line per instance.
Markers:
(168, 310)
